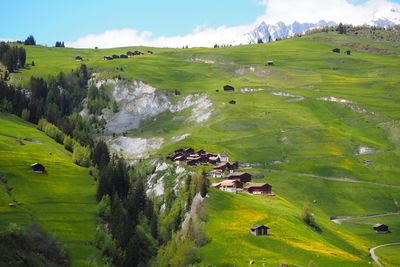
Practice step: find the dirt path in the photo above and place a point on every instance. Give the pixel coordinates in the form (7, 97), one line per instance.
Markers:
(339, 219)
(373, 255)
(341, 179)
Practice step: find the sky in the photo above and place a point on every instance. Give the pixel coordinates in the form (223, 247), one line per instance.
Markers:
(172, 23)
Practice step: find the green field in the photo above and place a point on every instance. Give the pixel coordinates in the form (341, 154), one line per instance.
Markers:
(62, 200)
(308, 136)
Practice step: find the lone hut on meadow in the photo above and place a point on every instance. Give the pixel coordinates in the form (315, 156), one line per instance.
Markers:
(228, 88)
(78, 58)
(259, 230)
(38, 168)
(381, 228)
(270, 63)
(336, 50)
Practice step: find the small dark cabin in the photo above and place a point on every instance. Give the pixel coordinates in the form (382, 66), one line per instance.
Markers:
(129, 53)
(381, 228)
(107, 58)
(270, 63)
(37, 167)
(348, 52)
(336, 50)
(259, 230)
(228, 88)
(123, 56)
(149, 52)
(115, 56)
(78, 58)
(233, 102)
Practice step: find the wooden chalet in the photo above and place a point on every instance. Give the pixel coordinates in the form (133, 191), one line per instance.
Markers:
(37, 168)
(232, 102)
(78, 58)
(381, 228)
(270, 63)
(258, 188)
(259, 230)
(225, 166)
(232, 186)
(223, 157)
(348, 52)
(228, 88)
(123, 56)
(149, 52)
(336, 50)
(244, 177)
(129, 53)
(107, 58)
(115, 56)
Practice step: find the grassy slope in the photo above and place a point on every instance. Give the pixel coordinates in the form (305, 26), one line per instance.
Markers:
(310, 136)
(62, 200)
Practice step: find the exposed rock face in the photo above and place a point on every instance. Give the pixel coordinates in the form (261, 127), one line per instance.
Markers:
(135, 147)
(139, 101)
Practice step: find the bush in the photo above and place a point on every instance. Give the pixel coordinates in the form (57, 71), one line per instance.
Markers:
(81, 155)
(26, 114)
(69, 143)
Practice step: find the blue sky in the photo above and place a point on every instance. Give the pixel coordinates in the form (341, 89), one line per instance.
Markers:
(69, 20)
(52, 20)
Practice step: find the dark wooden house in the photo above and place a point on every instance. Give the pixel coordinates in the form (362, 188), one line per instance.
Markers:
(38, 168)
(115, 56)
(228, 88)
(123, 56)
(244, 177)
(336, 50)
(232, 102)
(107, 58)
(258, 188)
(381, 228)
(259, 230)
(225, 166)
(78, 58)
(129, 53)
(348, 52)
(149, 52)
(270, 63)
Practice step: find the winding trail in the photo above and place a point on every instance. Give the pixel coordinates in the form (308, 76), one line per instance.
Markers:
(373, 255)
(339, 219)
(340, 179)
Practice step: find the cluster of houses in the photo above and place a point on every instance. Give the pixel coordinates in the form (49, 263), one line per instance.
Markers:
(337, 50)
(201, 157)
(127, 55)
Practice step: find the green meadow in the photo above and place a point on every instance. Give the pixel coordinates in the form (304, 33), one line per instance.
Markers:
(305, 135)
(62, 200)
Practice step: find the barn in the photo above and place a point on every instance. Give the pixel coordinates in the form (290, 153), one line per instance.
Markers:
(232, 102)
(381, 228)
(336, 50)
(244, 177)
(348, 52)
(38, 168)
(270, 63)
(259, 230)
(78, 58)
(232, 186)
(258, 188)
(228, 88)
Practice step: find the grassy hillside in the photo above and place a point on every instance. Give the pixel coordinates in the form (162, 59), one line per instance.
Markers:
(62, 200)
(339, 104)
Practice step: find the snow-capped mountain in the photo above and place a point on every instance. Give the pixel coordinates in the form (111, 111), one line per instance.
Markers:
(384, 17)
(272, 32)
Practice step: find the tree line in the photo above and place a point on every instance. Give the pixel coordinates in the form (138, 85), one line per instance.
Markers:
(13, 58)
(58, 100)
(139, 230)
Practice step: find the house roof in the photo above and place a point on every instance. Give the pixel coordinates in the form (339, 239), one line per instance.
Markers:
(36, 164)
(233, 174)
(229, 182)
(379, 224)
(258, 226)
(256, 185)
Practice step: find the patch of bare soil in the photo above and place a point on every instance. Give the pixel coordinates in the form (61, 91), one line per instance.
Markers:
(33, 140)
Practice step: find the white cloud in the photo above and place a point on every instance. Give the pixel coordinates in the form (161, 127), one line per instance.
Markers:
(276, 10)
(315, 10)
